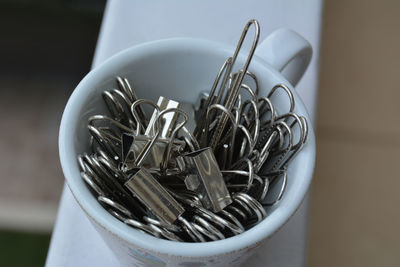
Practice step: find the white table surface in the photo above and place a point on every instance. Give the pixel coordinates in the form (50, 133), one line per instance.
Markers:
(75, 242)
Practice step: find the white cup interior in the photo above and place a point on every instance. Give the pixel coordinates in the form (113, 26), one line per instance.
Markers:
(178, 69)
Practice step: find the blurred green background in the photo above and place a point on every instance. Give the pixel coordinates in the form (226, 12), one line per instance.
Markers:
(23, 248)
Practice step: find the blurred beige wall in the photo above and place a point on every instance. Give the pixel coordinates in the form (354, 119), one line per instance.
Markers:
(355, 214)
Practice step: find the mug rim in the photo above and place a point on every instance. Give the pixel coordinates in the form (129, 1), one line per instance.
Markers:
(69, 120)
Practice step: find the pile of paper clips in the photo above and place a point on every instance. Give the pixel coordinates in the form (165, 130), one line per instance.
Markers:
(193, 185)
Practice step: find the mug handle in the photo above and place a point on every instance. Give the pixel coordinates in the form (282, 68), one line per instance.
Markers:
(286, 51)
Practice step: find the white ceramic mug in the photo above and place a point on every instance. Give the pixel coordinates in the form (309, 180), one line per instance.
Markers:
(180, 69)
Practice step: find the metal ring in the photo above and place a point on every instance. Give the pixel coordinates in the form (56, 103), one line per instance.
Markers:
(209, 226)
(92, 184)
(161, 224)
(140, 226)
(111, 203)
(215, 218)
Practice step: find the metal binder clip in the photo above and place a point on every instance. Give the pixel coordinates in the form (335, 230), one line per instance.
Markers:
(132, 145)
(205, 178)
(136, 149)
(153, 195)
(169, 119)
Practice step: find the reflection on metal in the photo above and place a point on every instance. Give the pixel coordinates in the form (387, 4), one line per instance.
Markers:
(205, 178)
(153, 195)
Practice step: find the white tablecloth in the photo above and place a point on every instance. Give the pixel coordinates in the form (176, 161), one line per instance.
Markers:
(126, 23)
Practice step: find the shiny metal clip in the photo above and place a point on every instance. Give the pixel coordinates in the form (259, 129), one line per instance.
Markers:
(153, 152)
(169, 120)
(153, 195)
(205, 178)
(132, 145)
